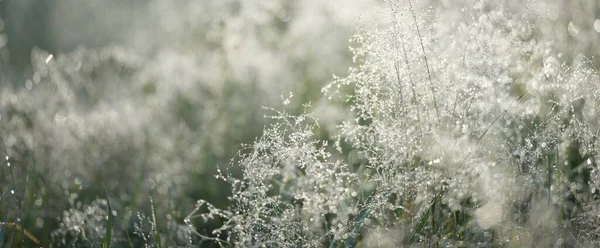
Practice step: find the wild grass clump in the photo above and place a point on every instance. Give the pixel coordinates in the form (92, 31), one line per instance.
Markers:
(469, 128)
(460, 123)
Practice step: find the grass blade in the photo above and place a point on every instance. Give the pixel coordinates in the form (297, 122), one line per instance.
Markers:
(421, 224)
(109, 225)
(129, 240)
(425, 217)
(22, 230)
(156, 233)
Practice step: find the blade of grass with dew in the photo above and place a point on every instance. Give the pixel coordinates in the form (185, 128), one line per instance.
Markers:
(425, 217)
(106, 241)
(359, 220)
(156, 233)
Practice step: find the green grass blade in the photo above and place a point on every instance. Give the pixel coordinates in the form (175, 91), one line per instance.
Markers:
(109, 225)
(420, 226)
(129, 240)
(425, 217)
(156, 233)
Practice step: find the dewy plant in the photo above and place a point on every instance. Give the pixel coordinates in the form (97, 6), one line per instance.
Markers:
(469, 126)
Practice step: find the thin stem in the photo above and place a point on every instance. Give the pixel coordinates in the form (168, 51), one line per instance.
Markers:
(437, 111)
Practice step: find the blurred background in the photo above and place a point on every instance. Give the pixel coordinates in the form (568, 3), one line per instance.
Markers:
(150, 98)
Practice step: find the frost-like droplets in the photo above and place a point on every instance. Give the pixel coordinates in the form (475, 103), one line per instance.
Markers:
(551, 67)
(187, 221)
(12, 191)
(114, 213)
(589, 161)
(597, 25)
(287, 101)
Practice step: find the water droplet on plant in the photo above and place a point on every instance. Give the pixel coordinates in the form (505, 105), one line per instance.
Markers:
(49, 58)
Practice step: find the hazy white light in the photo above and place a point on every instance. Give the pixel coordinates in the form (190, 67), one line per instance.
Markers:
(28, 84)
(49, 58)
(3, 40)
(573, 29)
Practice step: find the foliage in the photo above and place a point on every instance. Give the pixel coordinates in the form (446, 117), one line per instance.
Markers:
(459, 123)
(466, 131)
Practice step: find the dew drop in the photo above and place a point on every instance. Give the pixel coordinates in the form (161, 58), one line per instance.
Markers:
(39, 222)
(28, 84)
(49, 58)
